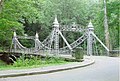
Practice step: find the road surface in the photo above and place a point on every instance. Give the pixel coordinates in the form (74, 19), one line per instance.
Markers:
(104, 69)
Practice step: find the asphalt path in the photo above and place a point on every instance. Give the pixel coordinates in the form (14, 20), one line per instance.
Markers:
(104, 69)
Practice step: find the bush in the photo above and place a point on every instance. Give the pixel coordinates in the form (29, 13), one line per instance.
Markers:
(34, 60)
(55, 60)
(2, 63)
(22, 61)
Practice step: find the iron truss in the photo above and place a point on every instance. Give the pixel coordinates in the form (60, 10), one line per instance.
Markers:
(51, 43)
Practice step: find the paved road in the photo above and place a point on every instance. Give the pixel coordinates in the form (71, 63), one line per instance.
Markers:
(105, 69)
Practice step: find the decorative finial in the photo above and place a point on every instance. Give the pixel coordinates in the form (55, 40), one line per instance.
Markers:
(73, 24)
(55, 20)
(90, 24)
(55, 23)
(36, 35)
(15, 34)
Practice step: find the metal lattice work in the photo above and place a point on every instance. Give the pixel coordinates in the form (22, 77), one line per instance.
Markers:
(25, 37)
(51, 43)
(75, 43)
(48, 41)
(73, 27)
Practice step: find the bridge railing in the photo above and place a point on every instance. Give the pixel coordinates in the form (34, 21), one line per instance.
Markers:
(114, 52)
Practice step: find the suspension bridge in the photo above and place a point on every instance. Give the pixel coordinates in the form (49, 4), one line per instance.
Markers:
(51, 46)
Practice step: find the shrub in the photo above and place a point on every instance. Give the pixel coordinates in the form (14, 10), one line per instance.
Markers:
(34, 60)
(55, 60)
(22, 61)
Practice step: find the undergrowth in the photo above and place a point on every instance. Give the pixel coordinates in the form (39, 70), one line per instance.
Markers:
(33, 61)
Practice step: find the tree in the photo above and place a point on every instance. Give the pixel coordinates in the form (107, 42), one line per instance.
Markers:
(114, 26)
(1, 4)
(113, 22)
(107, 37)
(11, 17)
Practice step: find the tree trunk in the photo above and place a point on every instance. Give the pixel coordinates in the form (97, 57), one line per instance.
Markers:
(106, 26)
(1, 4)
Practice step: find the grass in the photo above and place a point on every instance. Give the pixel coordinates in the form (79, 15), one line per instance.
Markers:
(10, 67)
(33, 62)
(2, 63)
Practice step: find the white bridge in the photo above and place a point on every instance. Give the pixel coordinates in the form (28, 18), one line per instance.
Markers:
(51, 44)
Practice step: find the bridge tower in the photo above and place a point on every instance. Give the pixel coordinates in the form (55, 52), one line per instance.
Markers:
(56, 34)
(90, 29)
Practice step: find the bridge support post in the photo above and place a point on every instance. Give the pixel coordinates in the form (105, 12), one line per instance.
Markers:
(36, 39)
(14, 41)
(90, 39)
(56, 34)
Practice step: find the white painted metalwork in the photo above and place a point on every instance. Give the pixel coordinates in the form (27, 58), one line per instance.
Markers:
(65, 41)
(100, 41)
(74, 28)
(90, 38)
(56, 34)
(51, 43)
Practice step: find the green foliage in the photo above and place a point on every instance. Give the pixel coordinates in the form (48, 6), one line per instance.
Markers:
(24, 62)
(54, 60)
(16, 9)
(36, 61)
(2, 63)
(11, 17)
(6, 32)
(113, 22)
(32, 62)
(114, 26)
